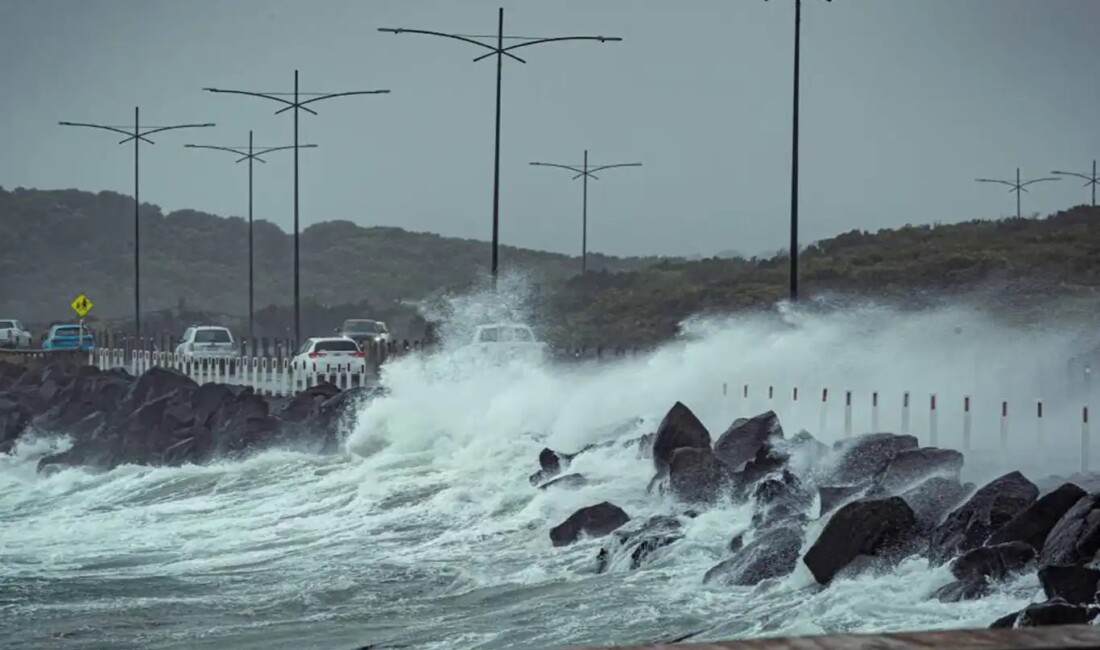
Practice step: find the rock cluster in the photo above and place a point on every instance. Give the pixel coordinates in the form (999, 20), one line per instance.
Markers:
(161, 417)
(882, 498)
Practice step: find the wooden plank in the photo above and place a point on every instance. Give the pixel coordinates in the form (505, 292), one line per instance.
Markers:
(1060, 637)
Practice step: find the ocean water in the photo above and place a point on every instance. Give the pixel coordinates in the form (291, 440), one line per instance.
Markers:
(424, 532)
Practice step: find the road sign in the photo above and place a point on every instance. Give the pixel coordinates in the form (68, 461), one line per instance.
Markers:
(82, 304)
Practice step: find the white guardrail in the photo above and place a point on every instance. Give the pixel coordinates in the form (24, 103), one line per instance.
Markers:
(267, 376)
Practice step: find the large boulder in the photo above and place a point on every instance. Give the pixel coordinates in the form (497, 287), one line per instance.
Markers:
(551, 464)
(1076, 585)
(971, 524)
(912, 466)
(993, 562)
(1055, 612)
(593, 521)
(744, 438)
(832, 497)
(865, 527)
(1034, 524)
(695, 475)
(934, 498)
(1075, 539)
(860, 459)
(634, 546)
(679, 428)
(772, 553)
(781, 499)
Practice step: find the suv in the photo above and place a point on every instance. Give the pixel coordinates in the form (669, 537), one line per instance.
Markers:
(364, 331)
(207, 342)
(69, 337)
(12, 335)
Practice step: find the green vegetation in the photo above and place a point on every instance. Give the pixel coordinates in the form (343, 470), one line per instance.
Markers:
(58, 243)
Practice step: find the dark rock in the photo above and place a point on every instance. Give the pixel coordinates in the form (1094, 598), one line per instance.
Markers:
(1074, 584)
(1004, 622)
(863, 457)
(568, 481)
(655, 533)
(772, 553)
(679, 428)
(1075, 539)
(768, 460)
(993, 562)
(804, 443)
(695, 474)
(910, 466)
(550, 465)
(744, 438)
(1055, 613)
(993, 506)
(960, 590)
(594, 521)
(865, 527)
(833, 496)
(934, 498)
(781, 500)
(737, 543)
(1035, 523)
(301, 406)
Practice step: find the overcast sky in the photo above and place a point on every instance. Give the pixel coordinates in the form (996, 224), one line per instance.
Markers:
(904, 103)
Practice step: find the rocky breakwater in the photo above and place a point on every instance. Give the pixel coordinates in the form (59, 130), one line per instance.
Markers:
(872, 501)
(161, 417)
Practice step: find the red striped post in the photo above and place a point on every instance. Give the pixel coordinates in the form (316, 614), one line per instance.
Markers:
(905, 412)
(771, 394)
(1039, 436)
(966, 424)
(874, 412)
(1004, 426)
(824, 409)
(933, 423)
(847, 414)
(1084, 440)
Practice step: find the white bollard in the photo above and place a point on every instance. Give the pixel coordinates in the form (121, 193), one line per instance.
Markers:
(848, 414)
(824, 409)
(771, 398)
(725, 394)
(745, 399)
(1085, 440)
(1004, 426)
(905, 413)
(933, 423)
(966, 424)
(874, 412)
(287, 378)
(1039, 437)
(262, 389)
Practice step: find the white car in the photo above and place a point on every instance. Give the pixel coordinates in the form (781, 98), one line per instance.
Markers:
(12, 335)
(207, 342)
(503, 342)
(329, 355)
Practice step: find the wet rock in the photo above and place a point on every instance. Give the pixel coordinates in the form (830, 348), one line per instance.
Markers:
(1075, 539)
(593, 521)
(1055, 612)
(804, 443)
(831, 497)
(695, 475)
(679, 428)
(1074, 584)
(960, 590)
(933, 499)
(653, 534)
(912, 466)
(1034, 524)
(781, 499)
(863, 457)
(772, 553)
(744, 438)
(550, 465)
(569, 481)
(991, 507)
(768, 461)
(1006, 621)
(865, 527)
(993, 562)
(303, 404)
(737, 542)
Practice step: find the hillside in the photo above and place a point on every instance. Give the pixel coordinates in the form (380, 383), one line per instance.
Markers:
(57, 243)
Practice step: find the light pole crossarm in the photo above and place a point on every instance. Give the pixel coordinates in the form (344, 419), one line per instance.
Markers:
(289, 103)
(302, 105)
(993, 180)
(492, 50)
(556, 39)
(572, 169)
(1092, 180)
(603, 167)
(136, 136)
(129, 134)
(1037, 180)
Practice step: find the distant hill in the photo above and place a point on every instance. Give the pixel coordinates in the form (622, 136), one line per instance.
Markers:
(57, 243)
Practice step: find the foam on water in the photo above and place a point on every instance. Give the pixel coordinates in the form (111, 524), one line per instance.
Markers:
(426, 532)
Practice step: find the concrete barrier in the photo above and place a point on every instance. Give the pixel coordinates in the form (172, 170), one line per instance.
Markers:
(1058, 637)
(38, 359)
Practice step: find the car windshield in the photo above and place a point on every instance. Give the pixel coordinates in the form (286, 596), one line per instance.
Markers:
(517, 334)
(213, 336)
(364, 327)
(341, 345)
(489, 334)
(7, 324)
(73, 331)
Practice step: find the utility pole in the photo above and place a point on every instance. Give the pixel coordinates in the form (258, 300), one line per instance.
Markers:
(585, 172)
(1016, 186)
(794, 152)
(298, 104)
(499, 51)
(250, 155)
(1091, 180)
(138, 136)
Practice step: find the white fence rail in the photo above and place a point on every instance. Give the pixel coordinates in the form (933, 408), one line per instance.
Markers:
(267, 376)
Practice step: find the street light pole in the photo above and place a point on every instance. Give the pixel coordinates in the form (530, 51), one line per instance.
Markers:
(250, 155)
(137, 135)
(499, 51)
(1091, 180)
(298, 104)
(794, 152)
(585, 172)
(1017, 186)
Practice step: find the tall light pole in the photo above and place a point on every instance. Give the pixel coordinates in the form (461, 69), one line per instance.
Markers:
(138, 136)
(794, 151)
(585, 172)
(298, 104)
(499, 51)
(1016, 186)
(1091, 180)
(250, 155)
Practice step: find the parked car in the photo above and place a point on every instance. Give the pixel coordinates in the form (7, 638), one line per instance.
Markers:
(330, 355)
(506, 341)
(69, 337)
(207, 342)
(364, 331)
(12, 335)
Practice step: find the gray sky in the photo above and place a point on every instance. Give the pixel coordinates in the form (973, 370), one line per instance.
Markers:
(904, 103)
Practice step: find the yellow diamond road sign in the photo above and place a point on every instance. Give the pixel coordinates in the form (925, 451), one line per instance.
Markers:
(82, 304)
